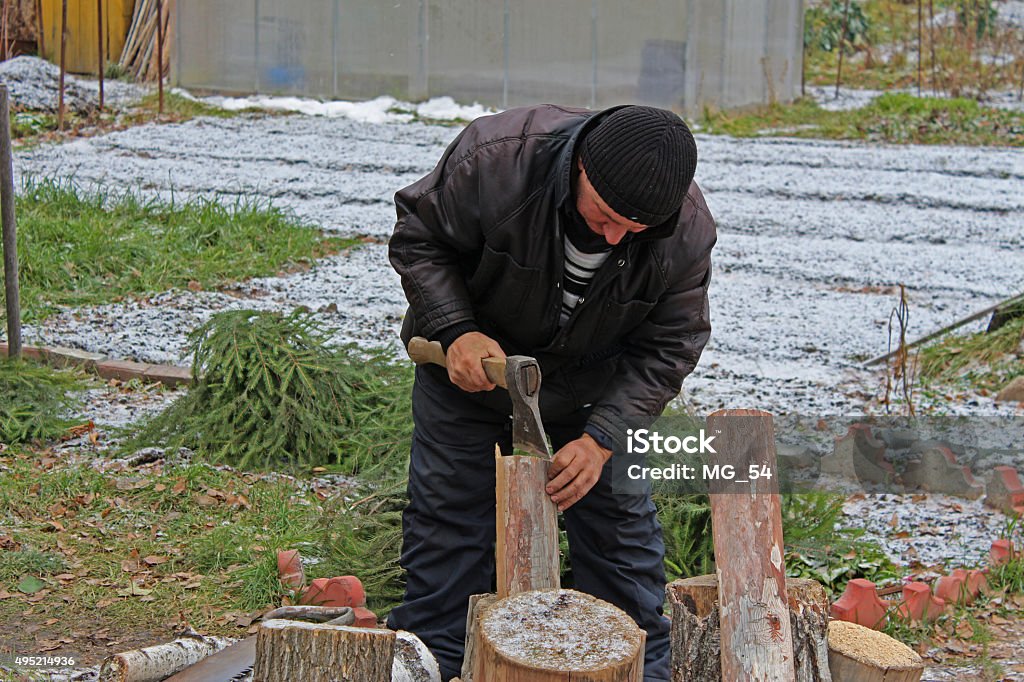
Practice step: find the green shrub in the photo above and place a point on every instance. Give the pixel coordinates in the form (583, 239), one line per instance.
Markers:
(270, 393)
(36, 402)
(823, 25)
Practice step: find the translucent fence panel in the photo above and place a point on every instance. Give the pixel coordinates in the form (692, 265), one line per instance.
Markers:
(681, 54)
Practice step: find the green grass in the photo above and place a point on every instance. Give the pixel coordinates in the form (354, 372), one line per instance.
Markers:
(896, 118)
(77, 248)
(985, 361)
(886, 57)
(177, 108)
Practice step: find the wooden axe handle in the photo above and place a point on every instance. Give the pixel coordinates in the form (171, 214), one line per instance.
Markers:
(424, 352)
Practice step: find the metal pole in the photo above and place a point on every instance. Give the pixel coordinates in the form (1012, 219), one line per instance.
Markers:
(99, 22)
(63, 44)
(10, 241)
(160, 52)
(256, 44)
(920, 44)
(593, 54)
(505, 48)
(842, 41)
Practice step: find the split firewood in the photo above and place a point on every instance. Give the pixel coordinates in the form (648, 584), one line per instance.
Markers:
(413, 660)
(860, 654)
(155, 663)
(527, 526)
(478, 603)
(556, 635)
(288, 650)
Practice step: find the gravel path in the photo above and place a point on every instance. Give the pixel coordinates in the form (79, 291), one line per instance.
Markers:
(815, 236)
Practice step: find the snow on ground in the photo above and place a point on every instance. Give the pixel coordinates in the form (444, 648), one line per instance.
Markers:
(815, 237)
(34, 85)
(383, 109)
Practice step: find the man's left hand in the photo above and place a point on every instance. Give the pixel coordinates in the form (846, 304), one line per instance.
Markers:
(574, 471)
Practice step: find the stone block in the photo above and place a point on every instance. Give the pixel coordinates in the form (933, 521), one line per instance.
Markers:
(859, 456)
(169, 375)
(122, 370)
(937, 471)
(59, 356)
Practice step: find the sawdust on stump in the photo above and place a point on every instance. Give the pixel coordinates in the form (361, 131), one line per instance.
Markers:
(870, 646)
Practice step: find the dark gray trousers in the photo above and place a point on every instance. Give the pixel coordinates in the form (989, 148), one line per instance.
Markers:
(615, 543)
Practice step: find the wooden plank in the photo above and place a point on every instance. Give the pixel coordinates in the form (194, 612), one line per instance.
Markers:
(746, 518)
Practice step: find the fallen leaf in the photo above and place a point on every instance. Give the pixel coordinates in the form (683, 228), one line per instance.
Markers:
(133, 590)
(205, 501)
(30, 584)
(154, 560)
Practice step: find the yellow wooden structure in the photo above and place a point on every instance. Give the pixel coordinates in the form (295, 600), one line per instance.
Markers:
(82, 42)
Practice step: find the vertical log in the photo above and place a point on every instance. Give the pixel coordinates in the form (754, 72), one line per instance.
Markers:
(746, 521)
(10, 231)
(527, 526)
(288, 650)
(478, 603)
(40, 40)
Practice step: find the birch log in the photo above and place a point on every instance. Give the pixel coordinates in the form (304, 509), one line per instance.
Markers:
(527, 526)
(557, 636)
(155, 663)
(695, 639)
(746, 519)
(288, 650)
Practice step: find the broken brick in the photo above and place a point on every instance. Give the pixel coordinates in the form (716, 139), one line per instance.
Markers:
(1005, 491)
(975, 582)
(951, 589)
(365, 618)
(289, 568)
(1001, 552)
(338, 591)
(937, 471)
(859, 456)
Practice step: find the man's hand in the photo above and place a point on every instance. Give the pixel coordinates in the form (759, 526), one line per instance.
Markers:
(574, 471)
(464, 361)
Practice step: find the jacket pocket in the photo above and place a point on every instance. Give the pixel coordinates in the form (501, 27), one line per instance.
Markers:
(499, 287)
(621, 318)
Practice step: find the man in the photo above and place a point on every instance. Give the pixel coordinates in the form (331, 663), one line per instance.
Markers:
(579, 239)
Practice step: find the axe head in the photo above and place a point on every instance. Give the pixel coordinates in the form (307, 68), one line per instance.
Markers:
(522, 374)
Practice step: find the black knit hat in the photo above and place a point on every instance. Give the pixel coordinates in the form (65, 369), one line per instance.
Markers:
(641, 161)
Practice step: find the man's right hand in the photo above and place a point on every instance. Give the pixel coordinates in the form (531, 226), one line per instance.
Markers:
(465, 355)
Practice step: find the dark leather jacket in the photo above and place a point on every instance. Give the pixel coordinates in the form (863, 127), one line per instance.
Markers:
(481, 238)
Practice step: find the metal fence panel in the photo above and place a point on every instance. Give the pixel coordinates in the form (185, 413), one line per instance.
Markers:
(681, 54)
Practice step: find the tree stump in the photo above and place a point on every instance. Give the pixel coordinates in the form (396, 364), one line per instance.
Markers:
(557, 636)
(860, 654)
(288, 650)
(695, 638)
(478, 603)
(527, 526)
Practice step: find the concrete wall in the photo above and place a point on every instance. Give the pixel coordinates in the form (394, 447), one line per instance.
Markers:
(682, 54)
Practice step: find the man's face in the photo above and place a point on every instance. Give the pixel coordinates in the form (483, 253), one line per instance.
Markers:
(600, 217)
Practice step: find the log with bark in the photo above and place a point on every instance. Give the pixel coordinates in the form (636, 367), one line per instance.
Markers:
(526, 524)
(556, 636)
(160, 661)
(288, 650)
(478, 603)
(695, 637)
(860, 654)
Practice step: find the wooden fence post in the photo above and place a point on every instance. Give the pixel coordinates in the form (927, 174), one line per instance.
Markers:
(10, 232)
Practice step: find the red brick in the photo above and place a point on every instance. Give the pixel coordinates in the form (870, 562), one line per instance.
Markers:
(919, 604)
(952, 590)
(1001, 552)
(338, 591)
(123, 370)
(289, 568)
(860, 604)
(975, 582)
(1005, 491)
(365, 618)
(169, 375)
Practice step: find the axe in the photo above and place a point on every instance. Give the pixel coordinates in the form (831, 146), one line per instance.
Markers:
(519, 374)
